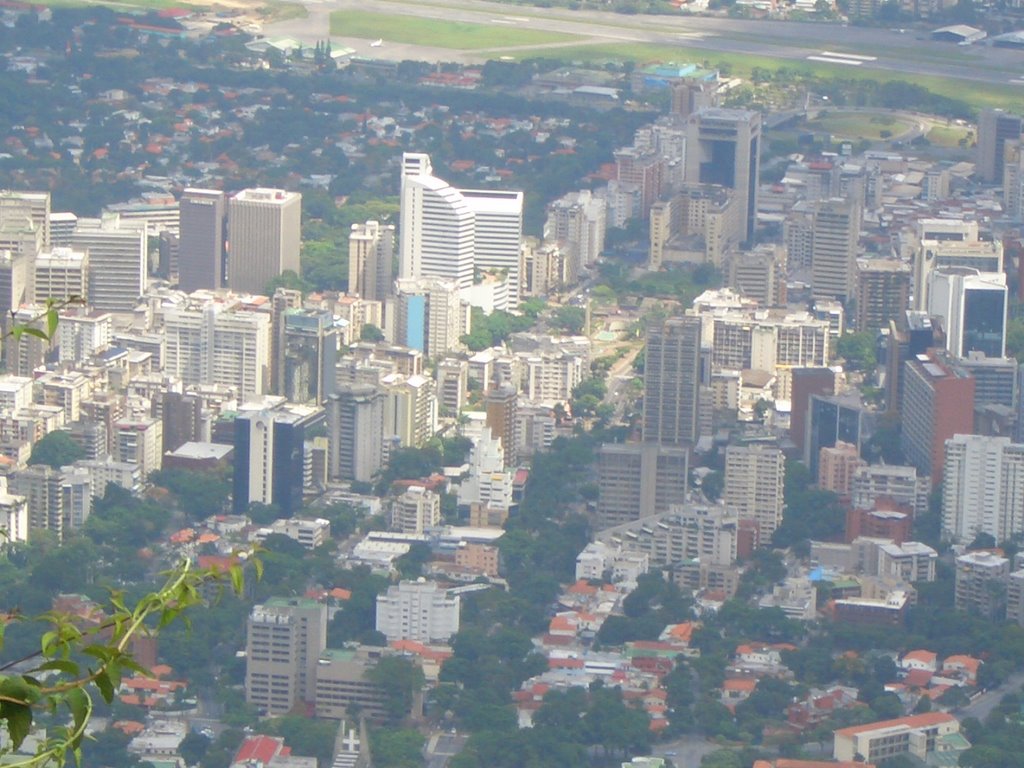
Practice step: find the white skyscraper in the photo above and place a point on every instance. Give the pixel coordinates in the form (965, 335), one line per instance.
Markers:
(417, 610)
(983, 488)
(453, 234)
(265, 236)
(497, 234)
(972, 306)
(436, 226)
(370, 249)
(117, 261)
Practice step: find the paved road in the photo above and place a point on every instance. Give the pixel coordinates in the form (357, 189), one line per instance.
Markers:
(895, 51)
(685, 752)
(440, 747)
(986, 702)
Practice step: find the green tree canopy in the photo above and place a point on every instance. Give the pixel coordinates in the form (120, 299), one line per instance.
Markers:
(56, 449)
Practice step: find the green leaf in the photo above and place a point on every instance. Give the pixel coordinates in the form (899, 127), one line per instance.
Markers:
(237, 579)
(52, 318)
(80, 705)
(61, 665)
(18, 688)
(19, 721)
(105, 686)
(39, 333)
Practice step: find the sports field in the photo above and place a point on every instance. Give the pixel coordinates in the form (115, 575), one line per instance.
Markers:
(854, 126)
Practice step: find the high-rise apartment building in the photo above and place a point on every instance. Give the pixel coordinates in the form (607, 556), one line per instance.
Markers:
(883, 292)
(118, 255)
(269, 461)
(723, 146)
(889, 481)
(754, 477)
(264, 236)
(995, 128)
(16, 282)
(836, 231)
(202, 222)
(40, 485)
(61, 274)
(213, 341)
(284, 640)
(836, 467)
(579, 221)
(418, 610)
(982, 488)
(415, 510)
(355, 426)
(938, 403)
(429, 316)
(672, 382)
(371, 248)
(410, 409)
(980, 586)
(501, 405)
(972, 307)
(139, 441)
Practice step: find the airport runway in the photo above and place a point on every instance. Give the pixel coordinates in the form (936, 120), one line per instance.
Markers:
(878, 49)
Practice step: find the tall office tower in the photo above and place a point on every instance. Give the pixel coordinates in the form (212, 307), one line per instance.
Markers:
(308, 354)
(950, 243)
(501, 405)
(284, 639)
(972, 307)
(269, 459)
(938, 403)
(980, 584)
(355, 426)
(636, 480)
(416, 510)
(1013, 180)
(218, 343)
(672, 382)
(497, 234)
(27, 207)
(579, 220)
(754, 477)
(371, 248)
(61, 274)
(436, 228)
(41, 487)
(429, 316)
(264, 237)
(201, 239)
(139, 441)
(692, 95)
(883, 292)
(723, 146)
(832, 420)
(836, 230)
(118, 255)
(418, 610)
(995, 128)
(982, 488)
(805, 383)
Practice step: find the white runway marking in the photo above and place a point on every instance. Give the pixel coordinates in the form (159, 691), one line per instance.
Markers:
(833, 60)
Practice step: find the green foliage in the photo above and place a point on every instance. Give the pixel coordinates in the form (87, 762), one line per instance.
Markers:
(56, 449)
(492, 330)
(587, 396)
(570, 320)
(654, 604)
(193, 748)
(357, 619)
(858, 350)
(810, 513)
(1015, 338)
(396, 747)
(72, 664)
(401, 679)
(371, 333)
(200, 494)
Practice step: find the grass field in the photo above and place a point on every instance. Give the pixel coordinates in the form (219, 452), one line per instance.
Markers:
(855, 126)
(435, 33)
(948, 135)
